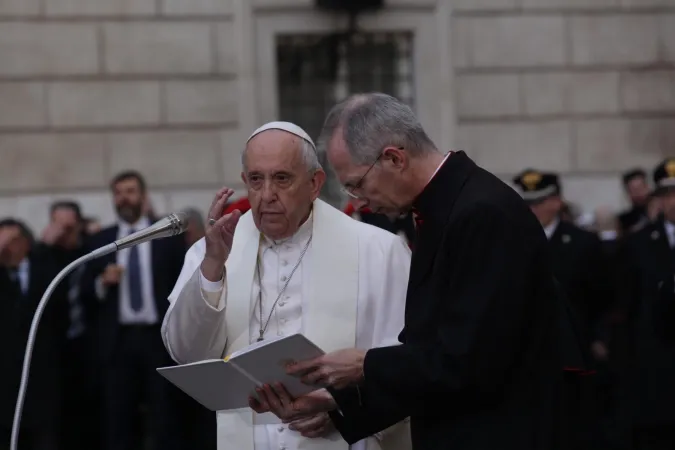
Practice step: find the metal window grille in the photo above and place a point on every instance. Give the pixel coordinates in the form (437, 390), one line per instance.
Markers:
(316, 71)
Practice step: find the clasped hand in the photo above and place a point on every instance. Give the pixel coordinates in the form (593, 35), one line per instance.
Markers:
(308, 415)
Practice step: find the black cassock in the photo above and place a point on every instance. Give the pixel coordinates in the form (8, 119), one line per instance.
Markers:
(481, 362)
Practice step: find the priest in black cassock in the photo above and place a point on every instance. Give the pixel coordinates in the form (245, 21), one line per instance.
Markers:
(479, 364)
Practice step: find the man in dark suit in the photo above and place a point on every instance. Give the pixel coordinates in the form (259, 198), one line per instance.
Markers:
(648, 268)
(636, 187)
(26, 269)
(65, 236)
(576, 254)
(132, 287)
(479, 365)
(580, 265)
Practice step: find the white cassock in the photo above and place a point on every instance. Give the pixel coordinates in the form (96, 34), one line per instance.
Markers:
(348, 291)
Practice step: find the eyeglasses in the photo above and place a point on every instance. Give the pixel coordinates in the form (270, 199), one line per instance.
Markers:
(350, 191)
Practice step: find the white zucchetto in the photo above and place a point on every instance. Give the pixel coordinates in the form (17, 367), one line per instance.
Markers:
(285, 126)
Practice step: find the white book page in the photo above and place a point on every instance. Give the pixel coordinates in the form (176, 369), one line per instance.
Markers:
(215, 384)
(267, 363)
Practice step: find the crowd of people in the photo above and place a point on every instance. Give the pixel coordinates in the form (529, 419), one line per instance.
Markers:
(93, 381)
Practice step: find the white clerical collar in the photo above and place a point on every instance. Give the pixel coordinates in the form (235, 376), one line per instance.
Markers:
(440, 165)
(125, 227)
(551, 227)
(300, 236)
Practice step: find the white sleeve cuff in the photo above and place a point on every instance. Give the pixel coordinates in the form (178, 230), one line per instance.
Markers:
(211, 286)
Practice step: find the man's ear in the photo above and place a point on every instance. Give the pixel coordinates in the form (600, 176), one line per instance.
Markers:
(318, 180)
(396, 157)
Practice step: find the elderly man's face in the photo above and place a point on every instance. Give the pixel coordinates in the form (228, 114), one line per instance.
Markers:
(377, 186)
(280, 187)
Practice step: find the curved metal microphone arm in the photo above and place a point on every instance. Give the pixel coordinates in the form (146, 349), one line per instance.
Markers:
(171, 225)
(110, 248)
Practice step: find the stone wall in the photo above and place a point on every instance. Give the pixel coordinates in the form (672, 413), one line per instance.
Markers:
(583, 87)
(91, 87)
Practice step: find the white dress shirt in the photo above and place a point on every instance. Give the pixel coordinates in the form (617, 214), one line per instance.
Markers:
(147, 315)
(551, 227)
(670, 233)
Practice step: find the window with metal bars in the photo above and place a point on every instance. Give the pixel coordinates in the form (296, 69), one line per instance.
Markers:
(315, 71)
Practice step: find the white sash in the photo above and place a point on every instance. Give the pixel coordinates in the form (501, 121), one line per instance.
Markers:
(329, 317)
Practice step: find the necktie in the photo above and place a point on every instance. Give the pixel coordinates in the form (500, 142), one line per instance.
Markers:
(134, 277)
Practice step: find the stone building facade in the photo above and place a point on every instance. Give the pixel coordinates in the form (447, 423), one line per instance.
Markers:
(173, 87)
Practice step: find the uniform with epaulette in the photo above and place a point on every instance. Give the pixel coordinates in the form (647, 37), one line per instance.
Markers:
(578, 265)
(647, 270)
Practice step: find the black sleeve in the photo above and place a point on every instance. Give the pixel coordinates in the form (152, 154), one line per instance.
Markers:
(664, 310)
(599, 288)
(484, 297)
(356, 420)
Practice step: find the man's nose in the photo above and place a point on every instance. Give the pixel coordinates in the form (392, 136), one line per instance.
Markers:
(359, 203)
(268, 191)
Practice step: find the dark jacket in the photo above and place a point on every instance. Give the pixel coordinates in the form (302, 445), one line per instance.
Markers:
(167, 260)
(647, 270)
(480, 362)
(17, 310)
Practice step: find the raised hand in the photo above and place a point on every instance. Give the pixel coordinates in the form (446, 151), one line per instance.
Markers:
(219, 235)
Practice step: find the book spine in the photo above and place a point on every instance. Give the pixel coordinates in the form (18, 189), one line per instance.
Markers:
(246, 374)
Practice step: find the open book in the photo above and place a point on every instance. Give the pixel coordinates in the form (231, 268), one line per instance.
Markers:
(223, 384)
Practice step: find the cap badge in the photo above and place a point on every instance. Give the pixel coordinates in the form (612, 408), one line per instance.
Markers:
(531, 179)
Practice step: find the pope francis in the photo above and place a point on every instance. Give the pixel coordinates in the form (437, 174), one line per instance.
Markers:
(291, 264)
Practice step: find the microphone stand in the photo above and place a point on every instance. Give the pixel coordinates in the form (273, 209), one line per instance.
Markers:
(172, 225)
(110, 248)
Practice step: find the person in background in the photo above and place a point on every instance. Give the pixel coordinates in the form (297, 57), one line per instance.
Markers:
(403, 226)
(637, 189)
(26, 269)
(65, 235)
(196, 227)
(131, 287)
(648, 265)
(91, 225)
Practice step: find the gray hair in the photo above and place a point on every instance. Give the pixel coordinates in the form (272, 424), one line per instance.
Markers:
(307, 151)
(371, 122)
(195, 216)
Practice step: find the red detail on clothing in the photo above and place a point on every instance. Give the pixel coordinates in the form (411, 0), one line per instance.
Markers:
(242, 205)
(350, 210)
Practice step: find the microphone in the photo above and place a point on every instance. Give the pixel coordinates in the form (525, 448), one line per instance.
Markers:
(172, 225)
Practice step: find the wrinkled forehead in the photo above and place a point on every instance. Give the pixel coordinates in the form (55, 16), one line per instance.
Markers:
(273, 150)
